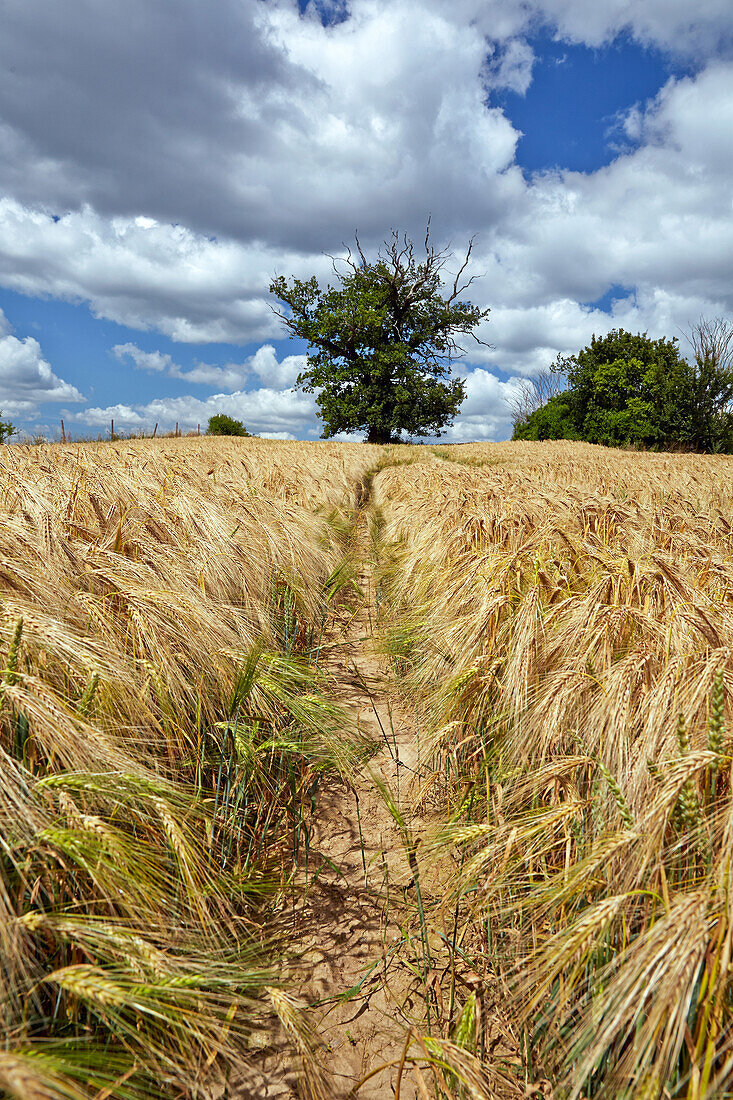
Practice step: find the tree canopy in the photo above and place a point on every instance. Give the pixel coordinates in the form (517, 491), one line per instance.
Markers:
(551, 420)
(629, 389)
(221, 424)
(6, 429)
(383, 339)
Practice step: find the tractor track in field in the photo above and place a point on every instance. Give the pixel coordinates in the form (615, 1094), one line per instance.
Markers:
(372, 979)
(350, 966)
(359, 954)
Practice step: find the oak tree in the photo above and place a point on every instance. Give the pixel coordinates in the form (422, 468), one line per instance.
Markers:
(383, 339)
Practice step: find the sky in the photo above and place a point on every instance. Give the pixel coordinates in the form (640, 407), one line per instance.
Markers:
(162, 160)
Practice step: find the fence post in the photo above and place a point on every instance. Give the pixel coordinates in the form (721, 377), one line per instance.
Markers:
(63, 433)
(155, 429)
(112, 429)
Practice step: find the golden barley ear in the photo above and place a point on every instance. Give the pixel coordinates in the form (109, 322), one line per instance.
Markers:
(716, 720)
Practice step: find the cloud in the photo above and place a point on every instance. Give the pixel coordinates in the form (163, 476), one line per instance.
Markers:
(286, 414)
(26, 379)
(511, 67)
(698, 30)
(230, 377)
(262, 411)
(657, 220)
(142, 110)
(163, 164)
(264, 365)
(486, 412)
(143, 275)
(527, 340)
(246, 122)
(153, 361)
(675, 25)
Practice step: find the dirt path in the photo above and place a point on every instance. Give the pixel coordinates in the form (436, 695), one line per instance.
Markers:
(374, 977)
(358, 958)
(361, 952)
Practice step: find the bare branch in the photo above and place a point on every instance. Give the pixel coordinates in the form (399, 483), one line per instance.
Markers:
(535, 393)
(461, 269)
(360, 250)
(483, 343)
(712, 339)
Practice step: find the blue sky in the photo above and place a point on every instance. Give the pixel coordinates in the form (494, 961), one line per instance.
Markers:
(570, 113)
(157, 170)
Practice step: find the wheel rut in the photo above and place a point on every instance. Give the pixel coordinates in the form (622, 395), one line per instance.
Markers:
(356, 955)
(365, 998)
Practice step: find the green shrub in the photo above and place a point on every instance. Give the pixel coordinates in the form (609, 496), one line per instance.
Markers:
(6, 429)
(553, 420)
(221, 424)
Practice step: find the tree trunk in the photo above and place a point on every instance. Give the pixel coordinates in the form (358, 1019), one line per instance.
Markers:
(378, 435)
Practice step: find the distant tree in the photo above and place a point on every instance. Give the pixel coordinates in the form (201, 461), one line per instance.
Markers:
(384, 339)
(6, 429)
(710, 386)
(552, 420)
(630, 389)
(534, 393)
(221, 424)
(626, 388)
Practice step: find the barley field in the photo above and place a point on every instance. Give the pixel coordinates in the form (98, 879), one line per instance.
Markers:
(566, 621)
(555, 621)
(163, 733)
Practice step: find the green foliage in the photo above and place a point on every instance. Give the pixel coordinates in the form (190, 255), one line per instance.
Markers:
(6, 429)
(625, 389)
(554, 420)
(629, 389)
(221, 424)
(710, 423)
(383, 341)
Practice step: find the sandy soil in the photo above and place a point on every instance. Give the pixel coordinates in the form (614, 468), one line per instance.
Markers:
(361, 951)
(359, 954)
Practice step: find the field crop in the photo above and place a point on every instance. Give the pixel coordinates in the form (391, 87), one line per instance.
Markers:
(558, 620)
(565, 614)
(162, 735)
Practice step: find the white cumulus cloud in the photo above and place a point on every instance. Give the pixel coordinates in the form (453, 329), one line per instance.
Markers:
(26, 378)
(198, 155)
(486, 412)
(263, 365)
(263, 411)
(154, 361)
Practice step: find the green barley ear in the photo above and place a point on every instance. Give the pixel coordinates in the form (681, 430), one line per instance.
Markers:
(650, 1086)
(10, 676)
(688, 806)
(618, 796)
(654, 771)
(716, 721)
(465, 1033)
(85, 703)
